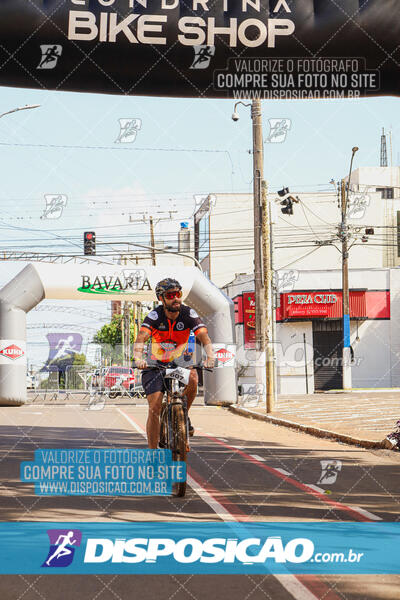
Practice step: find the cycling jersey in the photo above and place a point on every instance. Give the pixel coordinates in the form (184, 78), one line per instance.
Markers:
(169, 338)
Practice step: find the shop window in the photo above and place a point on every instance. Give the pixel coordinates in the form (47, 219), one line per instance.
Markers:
(387, 193)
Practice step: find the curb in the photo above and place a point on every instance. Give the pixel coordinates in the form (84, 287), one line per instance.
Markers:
(316, 431)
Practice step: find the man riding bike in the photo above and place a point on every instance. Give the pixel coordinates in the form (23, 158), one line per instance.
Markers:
(169, 326)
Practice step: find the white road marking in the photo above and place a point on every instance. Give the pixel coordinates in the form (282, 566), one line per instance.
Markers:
(283, 471)
(315, 487)
(289, 582)
(366, 513)
(260, 458)
(295, 587)
(220, 510)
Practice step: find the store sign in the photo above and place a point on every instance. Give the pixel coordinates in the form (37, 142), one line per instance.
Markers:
(249, 319)
(309, 305)
(202, 48)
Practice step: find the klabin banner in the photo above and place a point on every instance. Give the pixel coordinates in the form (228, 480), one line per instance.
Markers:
(203, 48)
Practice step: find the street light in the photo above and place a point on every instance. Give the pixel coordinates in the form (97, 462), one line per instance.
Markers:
(235, 114)
(26, 107)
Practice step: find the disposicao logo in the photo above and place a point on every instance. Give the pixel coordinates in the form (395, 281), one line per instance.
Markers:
(12, 352)
(191, 550)
(62, 550)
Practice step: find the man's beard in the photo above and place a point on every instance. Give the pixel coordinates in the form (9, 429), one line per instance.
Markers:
(173, 308)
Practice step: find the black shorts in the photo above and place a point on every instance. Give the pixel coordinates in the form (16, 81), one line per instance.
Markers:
(153, 381)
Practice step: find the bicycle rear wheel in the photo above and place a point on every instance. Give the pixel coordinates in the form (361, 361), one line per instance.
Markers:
(179, 444)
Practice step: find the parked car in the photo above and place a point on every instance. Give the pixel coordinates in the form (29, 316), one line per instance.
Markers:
(108, 377)
(30, 382)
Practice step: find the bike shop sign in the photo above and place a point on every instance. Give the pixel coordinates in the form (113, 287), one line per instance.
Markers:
(202, 48)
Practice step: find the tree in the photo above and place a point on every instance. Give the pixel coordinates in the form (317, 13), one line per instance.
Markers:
(110, 337)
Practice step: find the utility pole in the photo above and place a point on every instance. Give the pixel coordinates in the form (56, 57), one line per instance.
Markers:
(262, 262)
(125, 327)
(344, 232)
(268, 303)
(153, 252)
(346, 369)
(262, 265)
(126, 333)
(258, 177)
(145, 216)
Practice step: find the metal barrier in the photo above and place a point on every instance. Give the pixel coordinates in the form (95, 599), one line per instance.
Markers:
(48, 380)
(78, 377)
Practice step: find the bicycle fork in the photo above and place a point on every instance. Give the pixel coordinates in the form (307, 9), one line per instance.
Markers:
(175, 399)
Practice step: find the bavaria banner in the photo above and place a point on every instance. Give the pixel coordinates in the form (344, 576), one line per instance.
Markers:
(203, 48)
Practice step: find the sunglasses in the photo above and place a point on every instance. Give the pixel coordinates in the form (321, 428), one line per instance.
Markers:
(172, 295)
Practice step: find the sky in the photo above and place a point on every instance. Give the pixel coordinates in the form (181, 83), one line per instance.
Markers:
(184, 147)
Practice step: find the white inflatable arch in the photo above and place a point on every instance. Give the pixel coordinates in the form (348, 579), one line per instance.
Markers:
(38, 281)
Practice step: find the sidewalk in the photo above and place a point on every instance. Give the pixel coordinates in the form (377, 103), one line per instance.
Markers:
(361, 418)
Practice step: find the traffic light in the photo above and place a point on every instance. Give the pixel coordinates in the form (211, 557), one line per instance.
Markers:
(288, 204)
(283, 192)
(89, 243)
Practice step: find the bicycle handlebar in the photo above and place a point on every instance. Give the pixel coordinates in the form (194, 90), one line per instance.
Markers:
(168, 366)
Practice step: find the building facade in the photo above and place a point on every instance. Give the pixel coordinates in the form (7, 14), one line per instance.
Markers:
(308, 238)
(308, 346)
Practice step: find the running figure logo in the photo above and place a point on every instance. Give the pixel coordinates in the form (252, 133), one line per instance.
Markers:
(330, 470)
(55, 204)
(128, 130)
(358, 204)
(278, 130)
(285, 280)
(202, 57)
(62, 346)
(62, 550)
(50, 55)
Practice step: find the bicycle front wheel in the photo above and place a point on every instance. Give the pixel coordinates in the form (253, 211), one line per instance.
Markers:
(179, 446)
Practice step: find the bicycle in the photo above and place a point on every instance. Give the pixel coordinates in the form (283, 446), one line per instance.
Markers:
(174, 425)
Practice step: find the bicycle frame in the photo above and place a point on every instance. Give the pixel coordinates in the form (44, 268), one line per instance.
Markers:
(174, 395)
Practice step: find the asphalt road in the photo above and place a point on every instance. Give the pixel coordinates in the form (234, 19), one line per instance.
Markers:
(239, 470)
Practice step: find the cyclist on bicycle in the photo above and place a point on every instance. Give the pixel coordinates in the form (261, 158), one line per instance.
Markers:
(169, 326)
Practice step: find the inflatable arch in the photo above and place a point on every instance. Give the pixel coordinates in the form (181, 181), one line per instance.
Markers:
(38, 281)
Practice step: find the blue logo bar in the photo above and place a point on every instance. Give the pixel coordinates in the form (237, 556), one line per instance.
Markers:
(200, 548)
